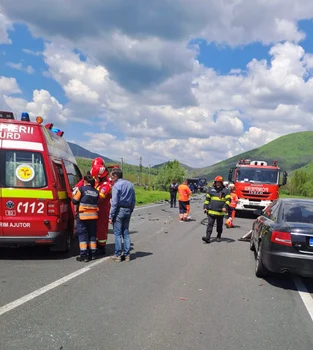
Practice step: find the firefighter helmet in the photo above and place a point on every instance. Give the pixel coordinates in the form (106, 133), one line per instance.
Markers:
(218, 179)
(99, 171)
(97, 161)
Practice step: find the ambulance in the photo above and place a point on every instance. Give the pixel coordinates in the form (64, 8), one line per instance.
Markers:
(37, 174)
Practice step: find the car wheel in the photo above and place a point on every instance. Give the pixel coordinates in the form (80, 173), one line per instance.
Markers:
(252, 246)
(260, 269)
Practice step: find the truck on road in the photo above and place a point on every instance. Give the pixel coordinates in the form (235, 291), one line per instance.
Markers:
(257, 183)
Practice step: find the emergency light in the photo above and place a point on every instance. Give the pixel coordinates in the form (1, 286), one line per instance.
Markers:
(49, 126)
(57, 131)
(39, 120)
(25, 117)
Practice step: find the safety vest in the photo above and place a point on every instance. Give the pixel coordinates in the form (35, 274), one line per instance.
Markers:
(87, 199)
(216, 199)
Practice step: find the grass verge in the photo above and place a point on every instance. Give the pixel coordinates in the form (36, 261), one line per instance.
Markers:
(148, 196)
(292, 196)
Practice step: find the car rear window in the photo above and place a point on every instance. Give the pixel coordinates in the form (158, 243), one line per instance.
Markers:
(24, 169)
(298, 212)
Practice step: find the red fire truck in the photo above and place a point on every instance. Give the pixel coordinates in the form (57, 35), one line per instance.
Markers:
(37, 173)
(257, 183)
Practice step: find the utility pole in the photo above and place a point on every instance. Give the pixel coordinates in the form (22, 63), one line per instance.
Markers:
(140, 170)
(149, 175)
(122, 162)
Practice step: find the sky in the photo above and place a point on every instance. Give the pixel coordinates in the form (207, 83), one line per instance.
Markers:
(197, 81)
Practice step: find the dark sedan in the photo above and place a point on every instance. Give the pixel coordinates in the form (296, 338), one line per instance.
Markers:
(282, 238)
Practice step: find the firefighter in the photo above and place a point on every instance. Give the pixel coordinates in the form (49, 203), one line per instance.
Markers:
(103, 185)
(215, 206)
(86, 197)
(232, 207)
(183, 201)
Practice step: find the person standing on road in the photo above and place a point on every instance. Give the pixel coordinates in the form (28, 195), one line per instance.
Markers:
(216, 206)
(100, 174)
(184, 193)
(86, 197)
(173, 193)
(122, 205)
(232, 207)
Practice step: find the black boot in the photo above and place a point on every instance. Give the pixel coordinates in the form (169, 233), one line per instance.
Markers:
(206, 240)
(218, 239)
(101, 251)
(93, 255)
(83, 257)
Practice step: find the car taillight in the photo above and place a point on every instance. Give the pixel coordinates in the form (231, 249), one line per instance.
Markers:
(53, 208)
(283, 238)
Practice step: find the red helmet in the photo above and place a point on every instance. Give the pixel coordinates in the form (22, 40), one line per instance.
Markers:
(99, 171)
(218, 179)
(97, 161)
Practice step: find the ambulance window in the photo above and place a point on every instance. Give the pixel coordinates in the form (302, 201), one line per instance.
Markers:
(24, 169)
(73, 173)
(60, 175)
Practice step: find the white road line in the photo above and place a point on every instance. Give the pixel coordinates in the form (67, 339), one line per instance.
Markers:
(18, 302)
(304, 294)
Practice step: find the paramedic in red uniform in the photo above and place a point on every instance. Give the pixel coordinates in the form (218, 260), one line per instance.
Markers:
(103, 185)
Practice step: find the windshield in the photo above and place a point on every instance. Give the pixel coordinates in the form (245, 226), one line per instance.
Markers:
(258, 175)
(24, 169)
(298, 212)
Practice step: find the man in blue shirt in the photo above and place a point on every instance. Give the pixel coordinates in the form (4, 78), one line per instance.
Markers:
(122, 205)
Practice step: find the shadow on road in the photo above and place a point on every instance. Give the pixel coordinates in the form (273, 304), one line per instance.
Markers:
(138, 255)
(223, 239)
(44, 253)
(286, 282)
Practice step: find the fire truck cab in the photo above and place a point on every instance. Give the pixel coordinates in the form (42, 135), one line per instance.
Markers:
(257, 183)
(37, 173)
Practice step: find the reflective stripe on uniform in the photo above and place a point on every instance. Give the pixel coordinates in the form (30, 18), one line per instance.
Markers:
(217, 213)
(88, 215)
(26, 193)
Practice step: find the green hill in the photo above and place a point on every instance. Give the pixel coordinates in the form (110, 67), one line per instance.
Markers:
(291, 151)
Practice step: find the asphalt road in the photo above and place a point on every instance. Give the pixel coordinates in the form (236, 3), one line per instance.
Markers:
(175, 293)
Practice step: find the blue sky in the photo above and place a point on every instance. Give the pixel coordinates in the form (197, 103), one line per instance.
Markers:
(135, 86)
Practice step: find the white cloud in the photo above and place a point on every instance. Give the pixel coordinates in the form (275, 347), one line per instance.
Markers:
(140, 78)
(19, 66)
(231, 114)
(5, 24)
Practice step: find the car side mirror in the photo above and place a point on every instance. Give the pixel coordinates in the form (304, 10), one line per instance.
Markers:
(258, 212)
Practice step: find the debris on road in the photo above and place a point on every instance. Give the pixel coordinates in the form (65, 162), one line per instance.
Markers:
(182, 298)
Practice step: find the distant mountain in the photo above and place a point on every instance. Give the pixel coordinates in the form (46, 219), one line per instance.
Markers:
(292, 151)
(82, 152)
(187, 167)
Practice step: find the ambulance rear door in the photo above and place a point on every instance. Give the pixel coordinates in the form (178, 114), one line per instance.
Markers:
(25, 194)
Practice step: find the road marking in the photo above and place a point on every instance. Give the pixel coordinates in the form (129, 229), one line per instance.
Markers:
(18, 302)
(304, 294)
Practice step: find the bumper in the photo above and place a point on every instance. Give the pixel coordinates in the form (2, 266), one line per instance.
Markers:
(279, 262)
(52, 238)
(246, 204)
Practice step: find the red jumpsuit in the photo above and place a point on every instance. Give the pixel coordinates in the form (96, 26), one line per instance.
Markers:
(105, 193)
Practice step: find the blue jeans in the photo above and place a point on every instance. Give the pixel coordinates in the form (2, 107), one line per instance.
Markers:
(121, 228)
